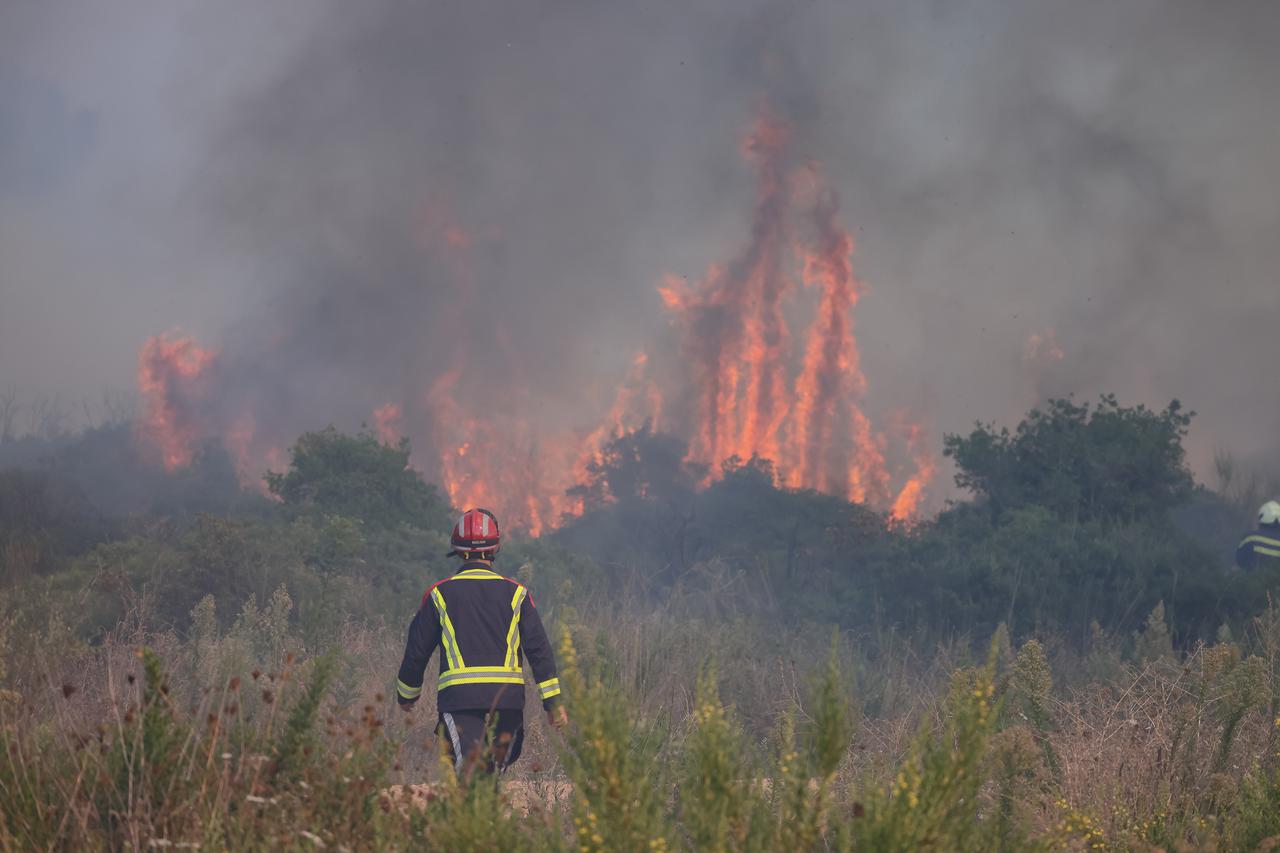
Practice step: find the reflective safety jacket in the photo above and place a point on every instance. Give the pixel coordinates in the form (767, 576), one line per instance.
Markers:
(485, 625)
(1260, 548)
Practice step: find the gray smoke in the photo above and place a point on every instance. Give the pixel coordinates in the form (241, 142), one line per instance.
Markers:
(346, 198)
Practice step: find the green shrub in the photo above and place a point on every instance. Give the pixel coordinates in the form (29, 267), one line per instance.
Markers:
(620, 782)
(934, 800)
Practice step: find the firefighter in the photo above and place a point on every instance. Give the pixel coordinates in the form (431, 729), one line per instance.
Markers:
(1261, 548)
(485, 625)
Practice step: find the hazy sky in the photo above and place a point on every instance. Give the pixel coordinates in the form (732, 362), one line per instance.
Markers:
(279, 179)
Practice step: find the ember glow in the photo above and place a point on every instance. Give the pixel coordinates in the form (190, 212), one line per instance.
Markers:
(744, 385)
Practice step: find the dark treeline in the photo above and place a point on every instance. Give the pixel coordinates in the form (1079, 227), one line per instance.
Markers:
(1079, 524)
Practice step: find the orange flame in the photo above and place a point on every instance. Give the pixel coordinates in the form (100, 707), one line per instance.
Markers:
(832, 376)
(638, 402)
(736, 343)
(494, 460)
(735, 330)
(176, 379)
(489, 462)
(386, 420)
(239, 441)
(907, 505)
(766, 328)
(170, 374)
(752, 390)
(1043, 347)
(499, 463)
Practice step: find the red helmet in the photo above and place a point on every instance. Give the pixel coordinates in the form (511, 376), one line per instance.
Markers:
(475, 532)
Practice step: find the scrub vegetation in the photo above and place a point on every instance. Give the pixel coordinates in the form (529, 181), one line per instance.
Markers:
(1065, 659)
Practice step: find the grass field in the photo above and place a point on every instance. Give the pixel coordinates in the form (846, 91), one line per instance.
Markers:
(684, 735)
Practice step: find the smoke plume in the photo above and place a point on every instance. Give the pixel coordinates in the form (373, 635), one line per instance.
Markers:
(507, 233)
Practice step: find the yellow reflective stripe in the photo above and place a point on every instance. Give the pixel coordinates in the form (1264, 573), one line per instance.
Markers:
(481, 675)
(549, 688)
(406, 691)
(448, 638)
(481, 680)
(1263, 545)
(477, 575)
(465, 670)
(513, 634)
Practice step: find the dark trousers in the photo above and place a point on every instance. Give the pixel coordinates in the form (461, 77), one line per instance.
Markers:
(488, 739)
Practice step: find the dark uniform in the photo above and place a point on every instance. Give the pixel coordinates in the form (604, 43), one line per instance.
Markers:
(1260, 549)
(486, 625)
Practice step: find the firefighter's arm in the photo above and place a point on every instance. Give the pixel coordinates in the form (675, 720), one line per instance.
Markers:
(1245, 555)
(424, 636)
(537, 650)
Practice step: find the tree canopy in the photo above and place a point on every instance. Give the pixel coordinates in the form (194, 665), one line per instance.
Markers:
(1078, 461)
(357, 476)
(640, 463)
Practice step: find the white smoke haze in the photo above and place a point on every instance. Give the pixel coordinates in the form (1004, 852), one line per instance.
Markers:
(347, 200)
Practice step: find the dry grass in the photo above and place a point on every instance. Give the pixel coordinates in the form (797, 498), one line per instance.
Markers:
(221, 749)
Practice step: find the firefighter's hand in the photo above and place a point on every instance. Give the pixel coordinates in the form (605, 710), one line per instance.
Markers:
(558, 717)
